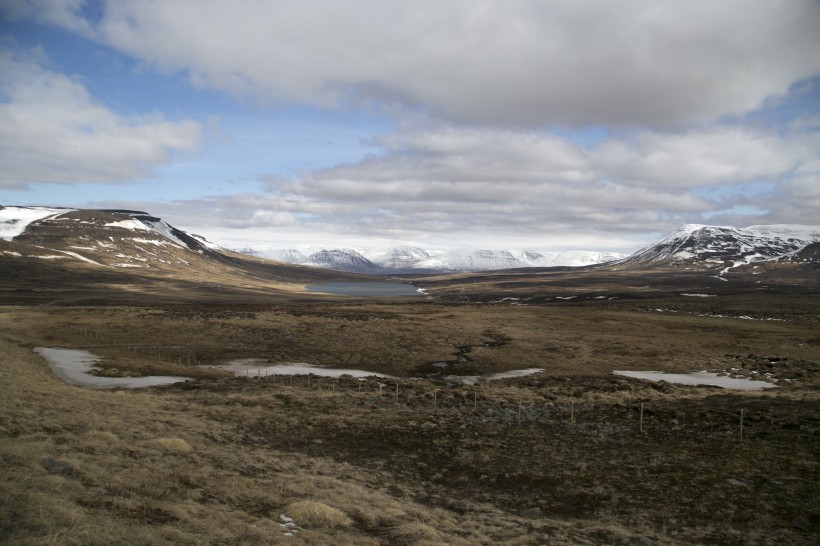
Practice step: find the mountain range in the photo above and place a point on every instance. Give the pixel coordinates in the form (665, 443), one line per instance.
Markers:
(137, 240)
(726, 247)
(405, 259)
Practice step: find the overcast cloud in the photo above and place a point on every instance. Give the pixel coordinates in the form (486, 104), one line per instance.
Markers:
(511, 62)
(518, 122)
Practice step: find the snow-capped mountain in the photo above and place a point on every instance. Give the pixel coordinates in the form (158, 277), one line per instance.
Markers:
(136, 239)
(399, 257)
(721, 246)
(807, 254)
(115, 238)
(577, 258)
(287, 255)
(477, 260)
(412, 259)
(341, 260)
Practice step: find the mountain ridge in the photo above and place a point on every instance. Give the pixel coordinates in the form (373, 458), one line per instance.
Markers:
(407, 259)
(725, 246)
(139, 240)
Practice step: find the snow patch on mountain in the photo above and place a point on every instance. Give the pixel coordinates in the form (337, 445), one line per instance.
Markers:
(133, 225)
(15, 220)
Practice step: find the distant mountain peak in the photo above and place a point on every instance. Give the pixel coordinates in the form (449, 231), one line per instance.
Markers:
(409, 259)
(720, 245)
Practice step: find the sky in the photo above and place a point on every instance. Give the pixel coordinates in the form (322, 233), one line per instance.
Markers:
(475, 124)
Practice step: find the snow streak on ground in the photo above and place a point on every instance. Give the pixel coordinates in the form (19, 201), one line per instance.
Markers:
(256, 367)
(473, 379)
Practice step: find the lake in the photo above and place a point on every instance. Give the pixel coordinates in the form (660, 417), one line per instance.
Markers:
(366, 289)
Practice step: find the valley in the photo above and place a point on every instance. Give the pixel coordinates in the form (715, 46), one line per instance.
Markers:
(573, 454)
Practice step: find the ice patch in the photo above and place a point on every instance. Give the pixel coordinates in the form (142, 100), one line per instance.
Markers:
(700, 295)
(473, 379)
(256, 367)
(73, 367)
(699, 378)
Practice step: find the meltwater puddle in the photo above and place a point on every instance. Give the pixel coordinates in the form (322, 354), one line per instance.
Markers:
(257, 367)
(473, 379)
(700, 378)
(73, 366)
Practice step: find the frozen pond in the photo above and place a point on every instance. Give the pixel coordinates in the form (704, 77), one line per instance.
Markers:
(700, 378)
(73, 366)
(473, 379)
(255, 367)
(366, 289)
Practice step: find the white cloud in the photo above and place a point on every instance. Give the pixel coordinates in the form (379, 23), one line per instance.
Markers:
(52, 130)
(511, 62)
(697, 158)
(441, 179)
(63, 13)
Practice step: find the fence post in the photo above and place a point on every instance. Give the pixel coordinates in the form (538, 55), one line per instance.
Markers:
(641, 422)
(741, 424)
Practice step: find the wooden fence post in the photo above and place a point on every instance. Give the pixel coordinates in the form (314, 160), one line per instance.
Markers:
(641, 421)
(741, 425)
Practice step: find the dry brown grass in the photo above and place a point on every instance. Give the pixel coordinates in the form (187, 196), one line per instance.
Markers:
(174, 445)
(312, 513)
(413, 533)
(216, 461)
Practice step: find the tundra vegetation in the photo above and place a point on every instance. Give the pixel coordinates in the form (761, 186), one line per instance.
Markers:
(572, 455)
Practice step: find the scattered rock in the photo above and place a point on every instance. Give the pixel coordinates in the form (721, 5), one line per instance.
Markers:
(58, 467)
(531, 513)
(801, 523)
(645, 541)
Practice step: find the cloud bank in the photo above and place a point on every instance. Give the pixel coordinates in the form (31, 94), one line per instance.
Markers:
(508, 62)
(701, 110)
